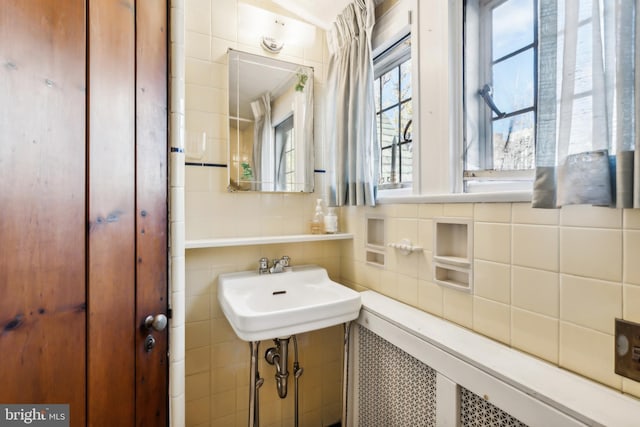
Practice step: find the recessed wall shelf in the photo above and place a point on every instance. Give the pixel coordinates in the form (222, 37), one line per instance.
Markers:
(263, 240)
(375, 251)
(453, 253)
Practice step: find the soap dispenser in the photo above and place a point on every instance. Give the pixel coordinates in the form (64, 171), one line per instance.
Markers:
(318, 219)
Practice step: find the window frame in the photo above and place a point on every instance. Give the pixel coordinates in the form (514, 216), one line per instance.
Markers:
(478, 15)
(438, 93)
(393, 25)
(384, 62)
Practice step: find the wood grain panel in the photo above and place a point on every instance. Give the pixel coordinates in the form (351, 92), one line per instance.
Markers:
(42, 197)
(151, 207)
(111, 297)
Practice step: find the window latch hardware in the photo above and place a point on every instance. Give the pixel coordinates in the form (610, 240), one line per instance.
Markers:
(487, 95)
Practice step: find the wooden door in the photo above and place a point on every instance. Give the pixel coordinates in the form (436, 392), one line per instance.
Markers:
(83, 190)
(42, 203)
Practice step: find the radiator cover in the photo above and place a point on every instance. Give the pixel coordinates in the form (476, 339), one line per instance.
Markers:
(395, 389)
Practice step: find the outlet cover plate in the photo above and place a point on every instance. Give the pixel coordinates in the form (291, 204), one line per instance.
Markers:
(627, 351)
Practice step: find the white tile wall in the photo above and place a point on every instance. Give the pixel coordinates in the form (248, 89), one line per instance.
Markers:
(546, 282)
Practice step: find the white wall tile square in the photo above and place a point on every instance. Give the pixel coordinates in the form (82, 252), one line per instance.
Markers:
(590, 216)
(631, 303)
(197, 45)
(197, 308)
(425, 234)
(631, 261)
(523, 213)
(197, 412)
(535, 334)
(591, 252)
(492, 242)
(197, 360)
(589, 353)
(196, 16)
(631, 218)
(197, 386)
(536, 246)
(430, 297)
(492, 319)
(224, 19)
(631, 387)
(408, 290)
(430, 211)
(590, 303)
(459, 210)
(458, 307)
(536, 291)
(492, 281)
(492, 212)
(197, 334)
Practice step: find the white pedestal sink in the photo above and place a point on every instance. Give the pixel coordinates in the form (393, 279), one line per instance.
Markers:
(280, 305)
(301, 299)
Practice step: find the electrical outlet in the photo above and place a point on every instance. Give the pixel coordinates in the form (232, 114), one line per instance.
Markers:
(627, 351)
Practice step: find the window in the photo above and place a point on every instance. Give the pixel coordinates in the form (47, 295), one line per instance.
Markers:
(394, 110)
(500, 86)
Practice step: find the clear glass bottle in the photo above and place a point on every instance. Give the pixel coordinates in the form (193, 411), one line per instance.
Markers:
(317, 223)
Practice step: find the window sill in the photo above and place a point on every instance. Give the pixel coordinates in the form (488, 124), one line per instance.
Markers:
(488, 197)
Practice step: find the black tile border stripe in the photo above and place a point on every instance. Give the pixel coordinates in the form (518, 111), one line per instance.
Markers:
(222, 165)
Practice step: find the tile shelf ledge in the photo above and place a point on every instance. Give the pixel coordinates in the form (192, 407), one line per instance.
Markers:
(263, 240)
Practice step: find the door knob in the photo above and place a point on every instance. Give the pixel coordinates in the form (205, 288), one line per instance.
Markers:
(157, 322)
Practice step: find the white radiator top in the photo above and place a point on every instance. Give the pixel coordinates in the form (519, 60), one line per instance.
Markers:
(570, 393)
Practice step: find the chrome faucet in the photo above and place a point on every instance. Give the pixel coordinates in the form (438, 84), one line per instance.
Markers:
(279, 265)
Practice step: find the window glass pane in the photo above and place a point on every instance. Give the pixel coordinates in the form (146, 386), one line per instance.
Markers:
(385, 169)
(390, 85)
(512, 27)
(513, 142)
(513, 82)
(405, 80)
(376, 92)
(389, 127)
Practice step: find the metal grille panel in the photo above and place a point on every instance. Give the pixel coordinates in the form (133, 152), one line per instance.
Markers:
(394, 388)
(477, 412)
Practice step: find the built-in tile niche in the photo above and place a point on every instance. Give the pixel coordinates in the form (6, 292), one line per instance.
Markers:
(453, 253)
(375, 250)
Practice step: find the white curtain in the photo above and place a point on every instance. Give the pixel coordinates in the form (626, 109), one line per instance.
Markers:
(263, 147)
(303, 133)
(588, 104)
(351, 121)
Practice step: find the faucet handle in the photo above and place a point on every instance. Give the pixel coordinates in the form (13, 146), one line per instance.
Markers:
(285, 261)
(263, 265)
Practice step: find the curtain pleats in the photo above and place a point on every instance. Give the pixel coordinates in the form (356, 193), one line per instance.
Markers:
(350, 119)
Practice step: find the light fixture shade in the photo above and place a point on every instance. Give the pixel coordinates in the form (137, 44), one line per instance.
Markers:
(272, 31)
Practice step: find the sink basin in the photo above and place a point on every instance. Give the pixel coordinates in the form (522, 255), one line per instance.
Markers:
(302, 299)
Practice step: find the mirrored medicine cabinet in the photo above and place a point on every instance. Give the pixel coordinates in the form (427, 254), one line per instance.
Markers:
(270, 124)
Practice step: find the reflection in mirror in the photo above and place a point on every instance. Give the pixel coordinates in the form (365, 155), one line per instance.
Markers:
(270, 124)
